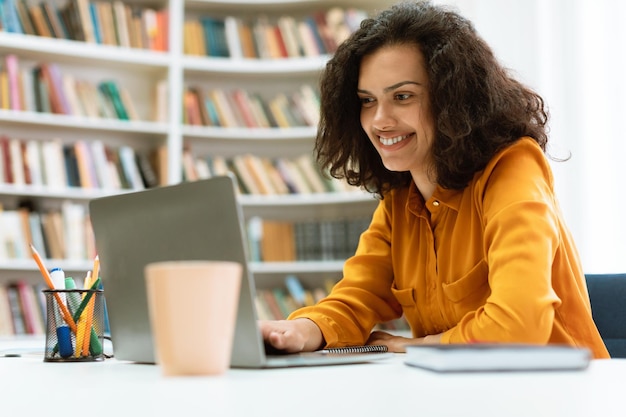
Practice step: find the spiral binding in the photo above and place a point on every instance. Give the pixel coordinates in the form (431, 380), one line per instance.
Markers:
(357, 349)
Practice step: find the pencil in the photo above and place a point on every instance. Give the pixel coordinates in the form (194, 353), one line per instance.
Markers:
(82, 320)
(46, 276)
(89, 315)
(96, 268)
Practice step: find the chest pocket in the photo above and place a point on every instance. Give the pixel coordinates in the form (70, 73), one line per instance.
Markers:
(472, 289)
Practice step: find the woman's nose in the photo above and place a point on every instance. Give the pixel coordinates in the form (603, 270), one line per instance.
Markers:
(383, 117)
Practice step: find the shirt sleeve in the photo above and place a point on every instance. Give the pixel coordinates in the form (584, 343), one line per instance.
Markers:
(363, 296)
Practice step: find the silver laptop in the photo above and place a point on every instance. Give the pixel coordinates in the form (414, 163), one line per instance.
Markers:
(199, 220)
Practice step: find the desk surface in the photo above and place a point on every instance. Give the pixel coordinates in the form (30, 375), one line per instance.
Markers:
(29, 386)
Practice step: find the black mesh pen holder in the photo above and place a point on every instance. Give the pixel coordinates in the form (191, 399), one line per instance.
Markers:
(74, 325)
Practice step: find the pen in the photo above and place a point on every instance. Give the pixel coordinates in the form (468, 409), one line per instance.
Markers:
(46, 276)
(73, 299)
(64, 337)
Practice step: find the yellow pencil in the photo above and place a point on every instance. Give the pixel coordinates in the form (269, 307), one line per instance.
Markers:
(89, 313)
(96, 268)
(46, 276)
(82, 321)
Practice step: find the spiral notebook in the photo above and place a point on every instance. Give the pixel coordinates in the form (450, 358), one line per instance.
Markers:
(200, 220)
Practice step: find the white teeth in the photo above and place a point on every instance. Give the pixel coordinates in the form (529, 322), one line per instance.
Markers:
(391, 141)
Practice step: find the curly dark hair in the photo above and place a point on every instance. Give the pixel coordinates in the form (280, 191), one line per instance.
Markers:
(478, 108)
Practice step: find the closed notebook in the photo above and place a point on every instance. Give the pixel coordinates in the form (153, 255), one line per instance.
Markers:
(479, 357)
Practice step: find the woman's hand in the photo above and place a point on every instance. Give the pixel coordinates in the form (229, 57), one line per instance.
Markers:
(299, 335)
(398, 344)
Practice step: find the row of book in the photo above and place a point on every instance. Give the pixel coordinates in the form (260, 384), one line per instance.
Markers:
(102, 22)
(304, 240)
(261, 175)
(85, 164)
(261, 37)
(22, 309)
(92, 164)
(241, 108)
(278, 302)
(63, 233)
(45, 89)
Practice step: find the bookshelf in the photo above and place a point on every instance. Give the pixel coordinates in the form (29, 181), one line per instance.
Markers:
(140, 71)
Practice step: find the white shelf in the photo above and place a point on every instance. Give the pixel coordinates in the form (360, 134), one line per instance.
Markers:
(296, 267)
(255, 67)
(296, 200)
(304, 133)
(247, 201)
(29, 265)
(42, 48)
(82, 123)
(53, 193)
(278, 6)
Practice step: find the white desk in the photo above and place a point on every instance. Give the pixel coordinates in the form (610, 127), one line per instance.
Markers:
(29, 386)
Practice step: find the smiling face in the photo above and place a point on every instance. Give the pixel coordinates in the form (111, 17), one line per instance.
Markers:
(395, 110)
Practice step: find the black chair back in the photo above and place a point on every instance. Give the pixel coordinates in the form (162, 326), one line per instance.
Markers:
(607, 293)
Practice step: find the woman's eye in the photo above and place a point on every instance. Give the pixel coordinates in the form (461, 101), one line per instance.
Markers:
(366, 101)
(403, 96)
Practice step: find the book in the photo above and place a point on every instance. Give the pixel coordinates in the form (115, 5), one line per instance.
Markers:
(71, 94)
(51, 14)
(19, 327)
(12, 68)
(121, 23)
(24, 16)
(111, 92)
(16, 161)
(31, 313)
(100, 163)
(249, 47)
(39, 21)
(87, 176)
(12, 236)
(52, 227)
(129, 167)
(54, 172)
(147, 170)
(71, 166)
(231, 31)
(74, 215)
(488, 357)
(6, 317)
(38, 240)
(289, 32)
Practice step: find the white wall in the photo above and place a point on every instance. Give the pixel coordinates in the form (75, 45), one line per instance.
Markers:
(573, 52)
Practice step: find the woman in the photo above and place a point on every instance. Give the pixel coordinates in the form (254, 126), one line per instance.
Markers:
(468, 241)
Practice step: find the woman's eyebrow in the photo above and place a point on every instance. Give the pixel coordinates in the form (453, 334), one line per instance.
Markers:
(391, 87)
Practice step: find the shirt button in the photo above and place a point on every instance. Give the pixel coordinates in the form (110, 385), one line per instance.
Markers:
(436, 203)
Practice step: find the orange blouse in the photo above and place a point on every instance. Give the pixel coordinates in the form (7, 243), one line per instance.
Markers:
(493, 262)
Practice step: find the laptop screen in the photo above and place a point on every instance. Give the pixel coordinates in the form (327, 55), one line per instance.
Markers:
(199, 220)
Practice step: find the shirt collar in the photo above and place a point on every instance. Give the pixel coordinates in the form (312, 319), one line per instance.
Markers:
(446, 197)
